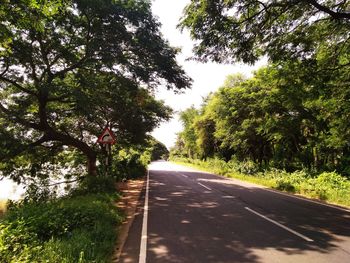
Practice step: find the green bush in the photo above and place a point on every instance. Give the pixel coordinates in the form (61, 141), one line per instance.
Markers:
(95, 184)
(289, 182)
(327, 186)
(62, 230)
(129, 164)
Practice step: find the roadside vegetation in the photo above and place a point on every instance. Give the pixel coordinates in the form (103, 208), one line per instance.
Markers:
(79, 227)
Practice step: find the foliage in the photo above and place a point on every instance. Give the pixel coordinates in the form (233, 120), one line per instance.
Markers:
(71, 229)
(230, 30)
(68, 68)
(186, 144)
(94, 185)
(285, 116)
(129, 164)
(291, 115)
(158, 150)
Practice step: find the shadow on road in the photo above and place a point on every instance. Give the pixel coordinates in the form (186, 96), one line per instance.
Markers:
(188, 223)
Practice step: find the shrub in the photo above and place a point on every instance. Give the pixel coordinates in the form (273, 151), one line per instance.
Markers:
(95, 184)
(248, 167)
(129, 164)
(332, 180)
(64, 229)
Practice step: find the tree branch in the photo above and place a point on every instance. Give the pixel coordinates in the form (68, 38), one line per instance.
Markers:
(43, 139)
(18, 86)
(335, 15)
(67, 182)
(10, 115)
(82, 60)
(5, 70)
(44, 54)
(59, 99)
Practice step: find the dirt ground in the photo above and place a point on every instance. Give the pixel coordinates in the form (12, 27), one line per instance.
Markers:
(131, 191)
(2, 207)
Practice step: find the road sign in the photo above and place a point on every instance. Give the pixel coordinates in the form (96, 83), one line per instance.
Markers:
(107, 137)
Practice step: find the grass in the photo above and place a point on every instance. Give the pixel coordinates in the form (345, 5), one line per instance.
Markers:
(327, 186)
(72, 229)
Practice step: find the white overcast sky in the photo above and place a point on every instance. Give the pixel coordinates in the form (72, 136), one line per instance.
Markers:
(206, 77)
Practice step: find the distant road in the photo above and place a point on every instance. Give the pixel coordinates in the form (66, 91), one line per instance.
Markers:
(193, 216)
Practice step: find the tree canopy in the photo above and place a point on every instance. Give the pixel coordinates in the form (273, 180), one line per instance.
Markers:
(68, 68)
(244, 30)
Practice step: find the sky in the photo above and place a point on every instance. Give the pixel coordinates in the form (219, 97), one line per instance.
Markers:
(207, 77)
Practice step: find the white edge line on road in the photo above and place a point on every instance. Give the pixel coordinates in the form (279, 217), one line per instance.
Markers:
(143, 246)
(280, 225)
(184, 175)
(206, 187)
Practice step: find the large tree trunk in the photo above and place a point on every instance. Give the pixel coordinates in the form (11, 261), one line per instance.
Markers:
(91, 165)
(78, 144)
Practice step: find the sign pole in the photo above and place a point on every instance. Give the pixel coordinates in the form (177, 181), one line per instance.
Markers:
(107, 155)
(107, 138)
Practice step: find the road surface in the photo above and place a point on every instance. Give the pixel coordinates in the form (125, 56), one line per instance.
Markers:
(190, 216)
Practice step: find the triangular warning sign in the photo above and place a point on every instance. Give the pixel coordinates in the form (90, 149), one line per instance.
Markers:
(107, 136)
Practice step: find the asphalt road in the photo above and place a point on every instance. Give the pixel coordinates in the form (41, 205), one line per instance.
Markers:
(192, 216)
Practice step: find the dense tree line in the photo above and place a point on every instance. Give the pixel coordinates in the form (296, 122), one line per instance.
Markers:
(285, 116)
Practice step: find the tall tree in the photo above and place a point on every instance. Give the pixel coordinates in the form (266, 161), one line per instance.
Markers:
(188, 134)
(66, 64)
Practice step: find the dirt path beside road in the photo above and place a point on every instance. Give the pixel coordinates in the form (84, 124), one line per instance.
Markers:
(131, 191)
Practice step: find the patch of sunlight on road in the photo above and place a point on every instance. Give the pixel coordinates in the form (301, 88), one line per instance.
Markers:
(168, 166)
(10, 190)
(160, 251)
(230, 181)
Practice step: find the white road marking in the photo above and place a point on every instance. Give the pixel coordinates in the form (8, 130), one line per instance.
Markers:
(228, 197)
(143, 246)
(206, 187)
(280, 225)
(184, 175)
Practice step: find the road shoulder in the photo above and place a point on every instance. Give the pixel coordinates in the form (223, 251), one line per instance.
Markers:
(131, 192)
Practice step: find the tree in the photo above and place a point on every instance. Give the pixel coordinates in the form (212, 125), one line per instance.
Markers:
(158, 150)
(189, 135)
(244, 30)
(70, 67)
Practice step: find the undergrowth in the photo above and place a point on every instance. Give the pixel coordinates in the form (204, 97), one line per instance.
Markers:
(76, 228)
